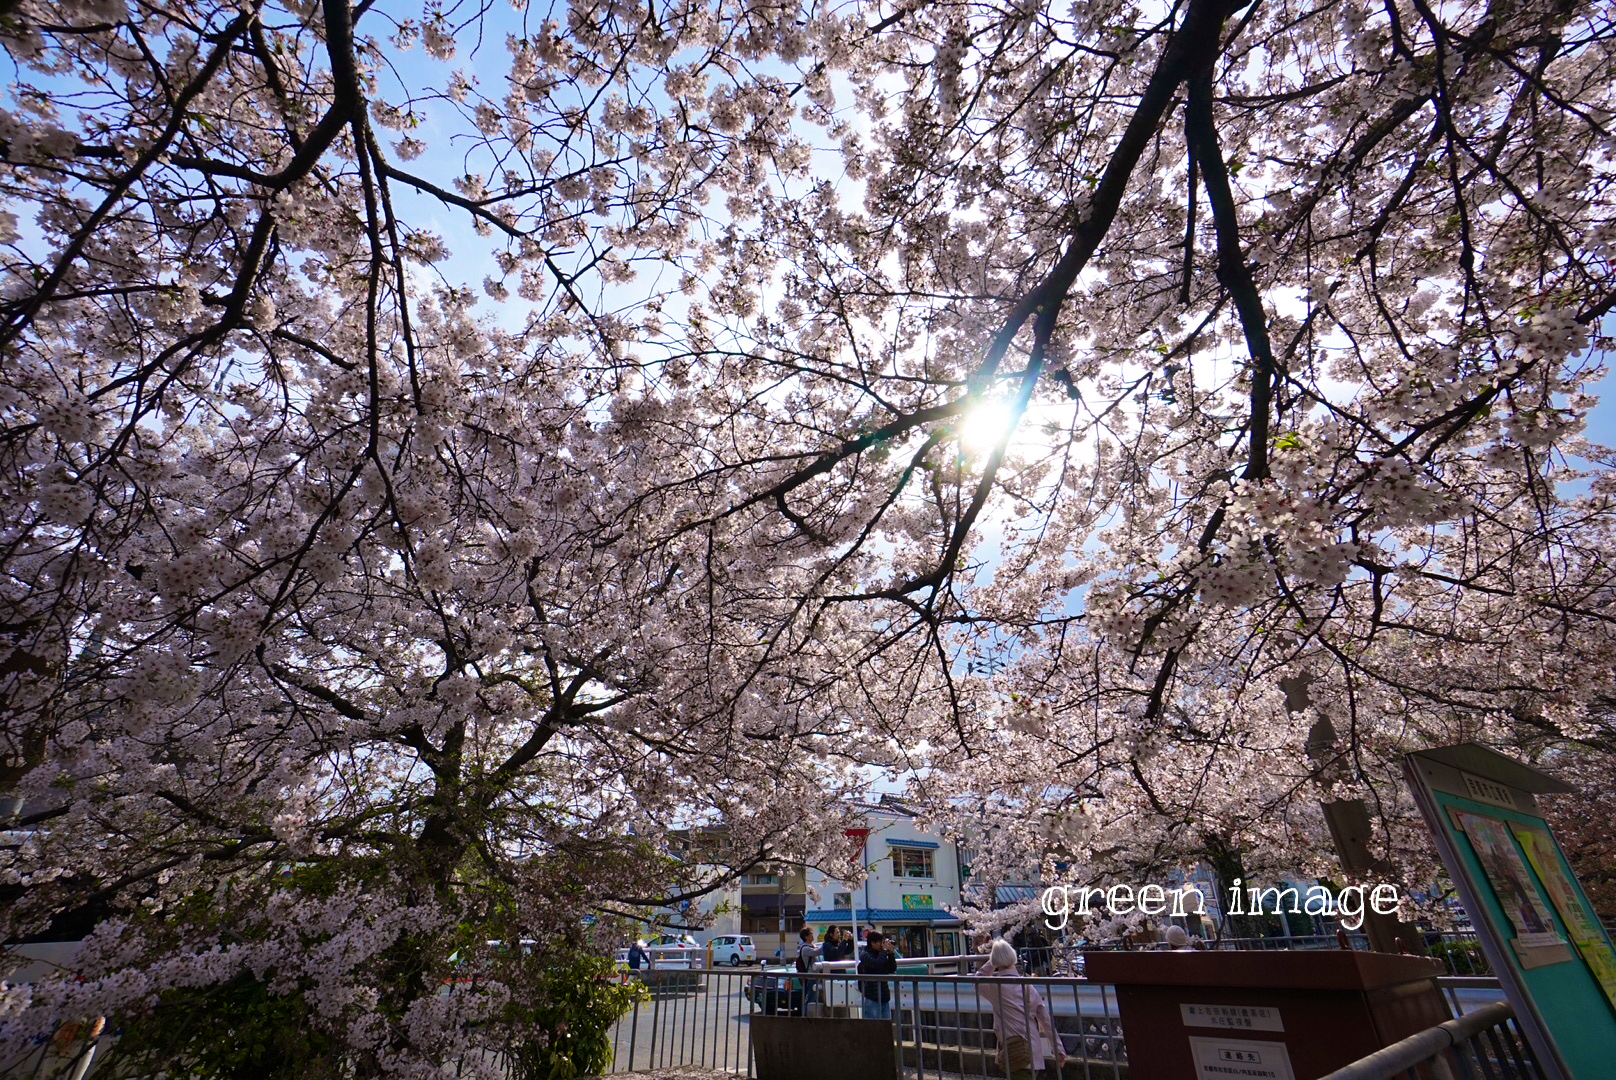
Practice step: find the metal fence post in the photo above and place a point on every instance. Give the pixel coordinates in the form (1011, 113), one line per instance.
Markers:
(633, 1033)
(896, 1012)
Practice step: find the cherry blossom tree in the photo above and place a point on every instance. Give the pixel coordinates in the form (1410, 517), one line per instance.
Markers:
(349, 629)
(1308, 284)
(1300, 314)
(1004, 399)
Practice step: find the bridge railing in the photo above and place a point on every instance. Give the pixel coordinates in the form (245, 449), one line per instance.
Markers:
(1483, 1044)
(942, 1023)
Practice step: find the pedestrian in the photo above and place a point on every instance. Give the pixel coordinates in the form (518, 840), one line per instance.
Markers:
(1021, 1020)
(1038, 953)
(877, 959)
(840, 944)
(806, 955)
(636, 957)
(1178, 940)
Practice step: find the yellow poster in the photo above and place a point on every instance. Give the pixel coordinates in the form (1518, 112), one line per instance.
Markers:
(1544, 855)
(1601, 960)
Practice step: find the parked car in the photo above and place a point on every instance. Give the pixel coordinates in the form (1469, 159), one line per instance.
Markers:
(674, 952)
(775, 990)
(733, 949)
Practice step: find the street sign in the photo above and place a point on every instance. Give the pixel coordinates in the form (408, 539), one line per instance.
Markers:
(1535, 924)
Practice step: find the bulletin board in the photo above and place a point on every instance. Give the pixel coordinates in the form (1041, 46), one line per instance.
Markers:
(1535, 924)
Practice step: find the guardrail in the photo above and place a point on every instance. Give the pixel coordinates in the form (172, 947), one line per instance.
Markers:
(1485, 1043)
(1459, 950)
(942, 1024)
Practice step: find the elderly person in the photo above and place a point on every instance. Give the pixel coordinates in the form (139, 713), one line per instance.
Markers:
(1178, 939)
(1021, 1020)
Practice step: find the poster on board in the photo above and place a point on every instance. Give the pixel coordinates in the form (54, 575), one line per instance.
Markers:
(1515, 883)
(1534, 928)
(1601, 960)
(1544, 856)
(1580, 923)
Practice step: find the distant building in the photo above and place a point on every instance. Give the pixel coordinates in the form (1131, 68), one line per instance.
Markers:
(713, 913)
(774, 898)
(913, 878)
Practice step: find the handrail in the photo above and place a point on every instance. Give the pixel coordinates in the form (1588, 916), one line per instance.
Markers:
(1424, 1045)
(925, 961)
(903, 978)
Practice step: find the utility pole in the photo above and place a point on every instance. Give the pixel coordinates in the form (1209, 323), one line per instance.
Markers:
(780, 895)
(859, 858)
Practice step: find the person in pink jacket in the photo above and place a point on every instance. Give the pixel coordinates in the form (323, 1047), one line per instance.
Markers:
(1019, 1015)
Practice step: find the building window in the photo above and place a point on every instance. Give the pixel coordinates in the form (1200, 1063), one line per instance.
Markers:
(912, 863)
(842, 901)
(761, 879)
(911, 940)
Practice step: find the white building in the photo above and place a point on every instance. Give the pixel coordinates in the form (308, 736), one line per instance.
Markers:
(912, 878)
(700, 918)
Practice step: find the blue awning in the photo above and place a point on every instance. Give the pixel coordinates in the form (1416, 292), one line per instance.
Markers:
(884, 915)
(1014, 894)
(910, 843)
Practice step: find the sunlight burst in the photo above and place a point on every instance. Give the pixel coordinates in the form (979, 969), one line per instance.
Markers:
(982, 427)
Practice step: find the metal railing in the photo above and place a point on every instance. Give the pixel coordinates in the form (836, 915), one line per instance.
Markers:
(942, 1023)
(1485, 1044)
(1467, 993)
(1460, 950)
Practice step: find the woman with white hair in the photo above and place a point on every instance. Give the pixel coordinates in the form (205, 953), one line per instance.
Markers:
(1021, 1020)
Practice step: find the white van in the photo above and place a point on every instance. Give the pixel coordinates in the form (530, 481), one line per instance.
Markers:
(732, 949)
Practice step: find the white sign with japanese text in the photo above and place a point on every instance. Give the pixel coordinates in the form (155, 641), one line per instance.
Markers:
(1233, 1017)
(1490, 792)
(1240, 1059)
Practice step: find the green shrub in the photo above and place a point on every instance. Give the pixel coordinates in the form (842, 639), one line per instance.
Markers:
(233, 1029)
(563, 1015)
(1462, 957)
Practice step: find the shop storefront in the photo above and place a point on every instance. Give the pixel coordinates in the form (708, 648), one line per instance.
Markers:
(918, 931)
(902, 881)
